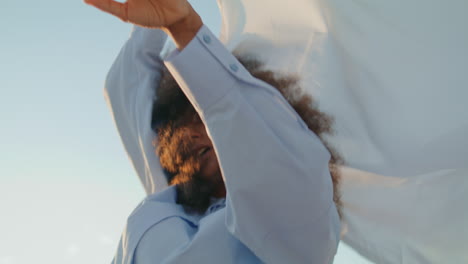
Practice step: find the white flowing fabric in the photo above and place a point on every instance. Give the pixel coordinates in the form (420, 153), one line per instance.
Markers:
(394, 76)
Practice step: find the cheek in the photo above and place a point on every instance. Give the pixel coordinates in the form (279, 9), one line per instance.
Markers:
(213, 165)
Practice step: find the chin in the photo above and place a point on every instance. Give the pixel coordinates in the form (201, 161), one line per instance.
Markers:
(211, 174)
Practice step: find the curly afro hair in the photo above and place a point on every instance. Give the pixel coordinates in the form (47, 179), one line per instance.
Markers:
(171, 105)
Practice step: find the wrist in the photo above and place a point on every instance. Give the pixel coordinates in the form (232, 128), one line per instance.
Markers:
(184, 30)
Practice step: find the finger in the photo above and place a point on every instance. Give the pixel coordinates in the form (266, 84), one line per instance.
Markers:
(115, 8)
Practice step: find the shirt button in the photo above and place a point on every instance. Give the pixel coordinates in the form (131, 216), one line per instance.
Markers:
(234, 67)
(207, 39)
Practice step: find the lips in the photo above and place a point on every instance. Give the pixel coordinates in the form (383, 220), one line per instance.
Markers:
(202, 151)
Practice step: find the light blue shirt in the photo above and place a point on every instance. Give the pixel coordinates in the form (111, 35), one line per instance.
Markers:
(279, 205)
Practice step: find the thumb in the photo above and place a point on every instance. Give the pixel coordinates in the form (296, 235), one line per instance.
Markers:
(112, 7)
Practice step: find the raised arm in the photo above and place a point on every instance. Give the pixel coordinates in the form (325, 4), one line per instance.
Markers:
(129, 90)
(280, 194)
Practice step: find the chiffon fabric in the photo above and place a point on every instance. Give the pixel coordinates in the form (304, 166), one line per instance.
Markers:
(393, 75)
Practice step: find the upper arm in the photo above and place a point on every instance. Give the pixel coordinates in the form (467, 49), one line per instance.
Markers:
(162, 240)
(129, 91)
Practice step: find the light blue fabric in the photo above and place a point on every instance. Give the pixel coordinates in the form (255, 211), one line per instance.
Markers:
(129, 91)
(279, 206)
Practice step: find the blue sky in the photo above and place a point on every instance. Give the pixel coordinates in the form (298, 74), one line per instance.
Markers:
(66, 185)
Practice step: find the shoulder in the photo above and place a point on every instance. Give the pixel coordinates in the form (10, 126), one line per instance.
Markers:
(156, 219)
(163, 239)
(155, 209)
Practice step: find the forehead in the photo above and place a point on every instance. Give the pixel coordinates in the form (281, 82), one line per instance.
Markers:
(190, 116)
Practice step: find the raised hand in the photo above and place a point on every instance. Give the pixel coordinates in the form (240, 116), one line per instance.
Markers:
(146, 13)
(175, 17)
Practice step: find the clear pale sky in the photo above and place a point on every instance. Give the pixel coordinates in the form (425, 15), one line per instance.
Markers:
(66, 185)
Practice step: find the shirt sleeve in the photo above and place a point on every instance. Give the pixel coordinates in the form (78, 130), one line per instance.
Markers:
(280, 194)
(129, 91)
